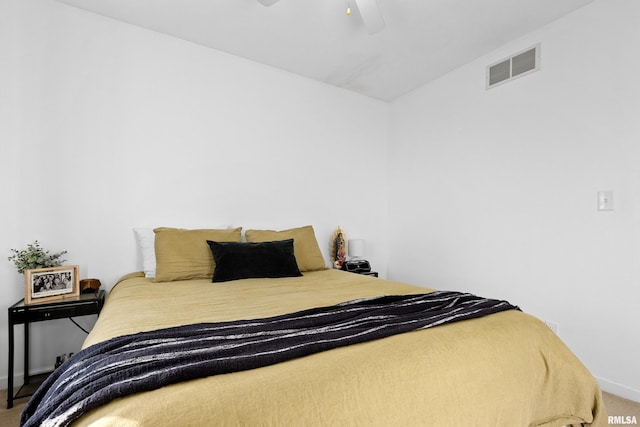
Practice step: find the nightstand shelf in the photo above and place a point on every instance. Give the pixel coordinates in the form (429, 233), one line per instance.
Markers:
(22, 314)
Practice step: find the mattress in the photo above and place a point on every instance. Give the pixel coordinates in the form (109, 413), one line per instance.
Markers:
(504, 369)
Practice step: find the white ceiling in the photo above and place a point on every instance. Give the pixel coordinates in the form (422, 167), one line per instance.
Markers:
(422, 40)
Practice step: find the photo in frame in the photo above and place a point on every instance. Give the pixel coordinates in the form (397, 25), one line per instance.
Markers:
(51, 283)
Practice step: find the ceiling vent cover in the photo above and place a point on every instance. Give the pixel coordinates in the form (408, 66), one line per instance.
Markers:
(518, 65)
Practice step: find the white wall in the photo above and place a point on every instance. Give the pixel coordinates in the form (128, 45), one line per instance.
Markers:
(104, 127)
(112, 127)
(494, 191)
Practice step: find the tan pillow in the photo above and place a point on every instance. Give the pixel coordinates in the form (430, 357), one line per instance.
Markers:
(305, 245)
(183, 254)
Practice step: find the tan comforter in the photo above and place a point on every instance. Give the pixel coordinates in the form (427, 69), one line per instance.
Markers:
(506, 369)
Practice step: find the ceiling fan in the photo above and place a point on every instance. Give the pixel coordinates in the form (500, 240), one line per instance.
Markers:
(369, 11)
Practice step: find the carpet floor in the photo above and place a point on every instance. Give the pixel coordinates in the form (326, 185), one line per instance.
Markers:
(615, 406)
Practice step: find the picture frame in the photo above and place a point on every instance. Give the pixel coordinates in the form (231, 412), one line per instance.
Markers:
(51, 283)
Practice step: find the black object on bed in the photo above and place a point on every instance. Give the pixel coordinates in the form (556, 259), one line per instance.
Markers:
(149, 360)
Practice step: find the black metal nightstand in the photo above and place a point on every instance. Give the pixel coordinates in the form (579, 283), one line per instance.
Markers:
(19, 313)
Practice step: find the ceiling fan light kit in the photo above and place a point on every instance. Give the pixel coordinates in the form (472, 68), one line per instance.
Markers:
(369, 11)
(268, 2)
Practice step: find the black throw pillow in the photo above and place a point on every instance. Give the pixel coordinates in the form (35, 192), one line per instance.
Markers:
(235, 260)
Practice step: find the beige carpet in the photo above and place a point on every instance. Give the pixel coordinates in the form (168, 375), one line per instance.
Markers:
(615, 406)
(621, 407)
(10, 417)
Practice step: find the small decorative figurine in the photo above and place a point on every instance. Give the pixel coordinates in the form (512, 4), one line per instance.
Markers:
(338, 248)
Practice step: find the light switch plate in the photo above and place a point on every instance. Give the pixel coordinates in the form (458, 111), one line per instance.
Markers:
(605, 200)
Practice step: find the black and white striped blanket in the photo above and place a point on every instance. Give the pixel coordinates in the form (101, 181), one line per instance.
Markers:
(149, 360)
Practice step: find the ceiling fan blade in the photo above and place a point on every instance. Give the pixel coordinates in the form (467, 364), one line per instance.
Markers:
(267, 2)
(371, 15)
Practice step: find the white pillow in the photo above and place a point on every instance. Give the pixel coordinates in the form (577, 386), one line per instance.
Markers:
(145, 238)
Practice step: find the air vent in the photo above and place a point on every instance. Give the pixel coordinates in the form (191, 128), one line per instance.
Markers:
(518, 65)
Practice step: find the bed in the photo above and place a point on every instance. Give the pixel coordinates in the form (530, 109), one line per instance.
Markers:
(503, 369)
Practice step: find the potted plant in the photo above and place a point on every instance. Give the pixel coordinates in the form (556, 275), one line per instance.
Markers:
(34, 256)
